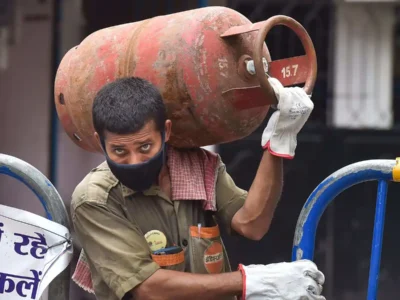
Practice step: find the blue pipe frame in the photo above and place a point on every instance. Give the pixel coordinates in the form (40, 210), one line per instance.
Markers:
(54, 122)
(383, 171)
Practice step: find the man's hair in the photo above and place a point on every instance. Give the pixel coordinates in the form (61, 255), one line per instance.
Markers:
(125, 105)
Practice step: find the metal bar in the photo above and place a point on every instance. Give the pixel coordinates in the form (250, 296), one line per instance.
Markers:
(330, 252)
(53, 206)
(54, 122)
(326, 191)
(377, 240)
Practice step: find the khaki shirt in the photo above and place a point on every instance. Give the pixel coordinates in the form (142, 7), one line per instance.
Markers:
(111, 220)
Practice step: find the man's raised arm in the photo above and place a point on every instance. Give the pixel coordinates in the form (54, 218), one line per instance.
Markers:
(279, 140)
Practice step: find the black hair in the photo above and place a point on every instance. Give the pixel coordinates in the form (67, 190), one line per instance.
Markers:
(125, 105)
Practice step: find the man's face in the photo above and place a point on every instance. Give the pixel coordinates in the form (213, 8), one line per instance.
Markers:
(137, 147)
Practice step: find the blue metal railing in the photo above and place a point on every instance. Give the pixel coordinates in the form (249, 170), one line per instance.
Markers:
(382, 171)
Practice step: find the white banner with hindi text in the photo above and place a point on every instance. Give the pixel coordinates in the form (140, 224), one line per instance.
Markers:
(33, 251)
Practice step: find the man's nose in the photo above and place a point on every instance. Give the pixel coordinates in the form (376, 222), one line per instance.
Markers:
(134, 159)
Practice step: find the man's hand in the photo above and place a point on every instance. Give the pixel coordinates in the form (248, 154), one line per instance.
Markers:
(293, 109)
(283, 281)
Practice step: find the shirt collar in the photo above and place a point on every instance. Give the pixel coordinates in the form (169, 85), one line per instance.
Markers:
(154, 190)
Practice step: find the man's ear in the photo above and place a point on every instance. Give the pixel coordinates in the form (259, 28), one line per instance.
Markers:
(168, 128)
(96, 135)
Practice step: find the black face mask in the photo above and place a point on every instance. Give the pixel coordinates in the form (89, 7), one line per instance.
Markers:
(138, 177)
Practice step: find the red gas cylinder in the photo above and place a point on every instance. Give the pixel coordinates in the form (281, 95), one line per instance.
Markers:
(210, 65)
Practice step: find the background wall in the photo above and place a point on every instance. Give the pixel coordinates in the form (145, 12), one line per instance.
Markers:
(25, 95)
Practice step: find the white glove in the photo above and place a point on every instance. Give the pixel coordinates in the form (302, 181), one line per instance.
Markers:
(294, 108)
(299, 280)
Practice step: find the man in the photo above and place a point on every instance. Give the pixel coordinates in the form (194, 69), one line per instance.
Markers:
(148, 218)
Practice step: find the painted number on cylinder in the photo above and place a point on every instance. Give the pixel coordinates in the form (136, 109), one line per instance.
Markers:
(289, 71)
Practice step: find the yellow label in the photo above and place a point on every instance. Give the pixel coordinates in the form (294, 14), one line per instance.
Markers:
(156, 240)
(396, 171)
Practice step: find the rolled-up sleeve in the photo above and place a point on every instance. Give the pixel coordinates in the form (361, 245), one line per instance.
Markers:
(115, 247)
(229, 198)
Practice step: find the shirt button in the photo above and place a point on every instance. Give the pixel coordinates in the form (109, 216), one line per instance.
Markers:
(184, 242)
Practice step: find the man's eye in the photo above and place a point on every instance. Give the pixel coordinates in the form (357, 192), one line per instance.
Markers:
(145, 147)
(119, 151)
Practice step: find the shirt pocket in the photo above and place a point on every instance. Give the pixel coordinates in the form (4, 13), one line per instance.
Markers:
(206, 250)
